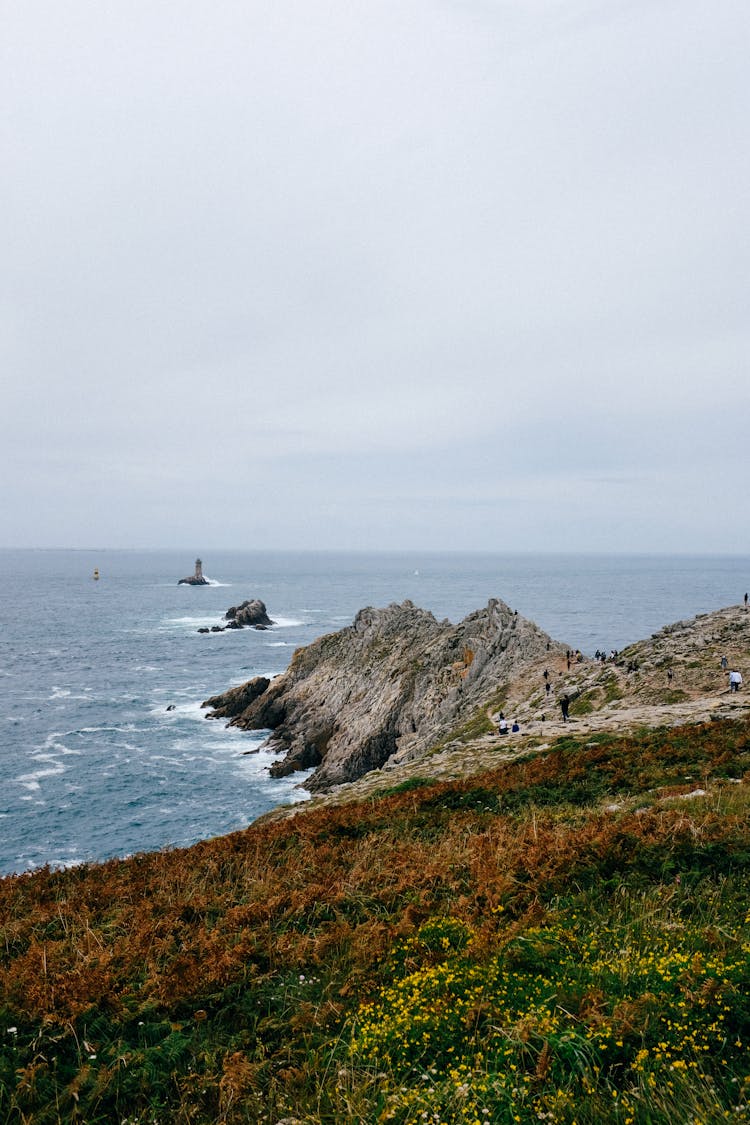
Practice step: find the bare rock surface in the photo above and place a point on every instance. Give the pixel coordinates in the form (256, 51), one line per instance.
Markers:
(236, 700)
(387, 688)
(252, 612)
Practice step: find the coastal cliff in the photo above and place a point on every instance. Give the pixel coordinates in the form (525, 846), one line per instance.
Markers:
(385, 688)
(398, 686)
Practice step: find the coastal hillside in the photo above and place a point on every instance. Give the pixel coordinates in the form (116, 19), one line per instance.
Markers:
(546, 926)
(562, 937)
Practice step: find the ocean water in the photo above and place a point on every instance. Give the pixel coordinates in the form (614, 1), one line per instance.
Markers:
(104, 749)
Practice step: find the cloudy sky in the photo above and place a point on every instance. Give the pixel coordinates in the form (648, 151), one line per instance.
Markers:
(375, 273)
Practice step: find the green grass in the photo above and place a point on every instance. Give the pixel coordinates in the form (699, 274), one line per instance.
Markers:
(404, 787)
(612, 689)
(506, 948)
(477, 726)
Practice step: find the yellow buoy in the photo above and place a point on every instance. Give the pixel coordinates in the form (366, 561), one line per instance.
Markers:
(96, 574)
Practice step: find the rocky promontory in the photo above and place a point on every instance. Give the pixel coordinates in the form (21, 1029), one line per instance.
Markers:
(385, 688)
(400, 690)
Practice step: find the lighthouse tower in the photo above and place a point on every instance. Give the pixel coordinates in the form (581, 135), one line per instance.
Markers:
(199, 571)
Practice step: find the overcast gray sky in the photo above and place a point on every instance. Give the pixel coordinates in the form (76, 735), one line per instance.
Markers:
(375, 273)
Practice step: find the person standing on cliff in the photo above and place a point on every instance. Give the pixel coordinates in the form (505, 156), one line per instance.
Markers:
(745, 601)
(735, 680)
(564, 705)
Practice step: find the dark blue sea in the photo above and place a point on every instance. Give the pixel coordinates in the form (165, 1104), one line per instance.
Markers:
(94, 764)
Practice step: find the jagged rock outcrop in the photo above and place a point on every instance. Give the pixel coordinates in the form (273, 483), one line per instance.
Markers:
(236, 700)
(251, 612)
(385, 688)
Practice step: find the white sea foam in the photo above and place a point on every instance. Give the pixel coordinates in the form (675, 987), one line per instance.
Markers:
(190, 622)
(59, 864)
(289, 791)
(279, 644)
(191, 710)
(96, 730)
(219, 740)
(51, 742)
(31, 780)
(65, 693)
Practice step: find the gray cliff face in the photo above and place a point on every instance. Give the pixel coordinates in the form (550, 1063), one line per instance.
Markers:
(386, 688)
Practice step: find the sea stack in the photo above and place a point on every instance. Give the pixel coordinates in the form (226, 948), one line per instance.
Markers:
(196, 579)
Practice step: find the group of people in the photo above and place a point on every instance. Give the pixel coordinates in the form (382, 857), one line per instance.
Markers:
(735, 676)
(503, 727)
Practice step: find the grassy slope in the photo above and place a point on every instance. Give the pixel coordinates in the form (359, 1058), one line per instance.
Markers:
(564, 938)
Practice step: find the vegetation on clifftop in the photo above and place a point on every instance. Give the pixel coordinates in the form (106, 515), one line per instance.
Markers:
(564, 938)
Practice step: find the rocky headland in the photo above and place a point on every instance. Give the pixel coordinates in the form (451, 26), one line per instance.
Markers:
(398, 690)
(386, 688)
